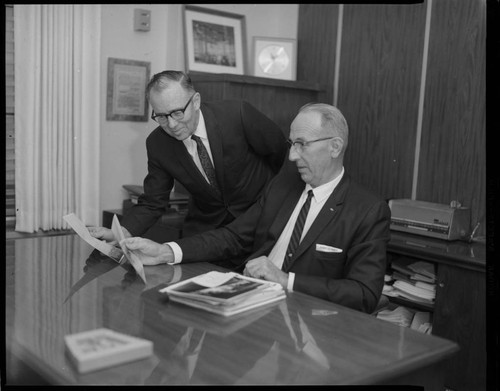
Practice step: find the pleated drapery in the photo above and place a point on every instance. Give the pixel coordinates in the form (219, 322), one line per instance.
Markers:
(57, 121)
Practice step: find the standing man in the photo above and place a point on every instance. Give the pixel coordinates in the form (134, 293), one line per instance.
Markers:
(223, 153)
(314, 230)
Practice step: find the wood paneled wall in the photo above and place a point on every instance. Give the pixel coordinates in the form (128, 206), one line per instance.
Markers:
(381, 93)
(316, 49)
(380, 67)
(452, 160)
(280, 100)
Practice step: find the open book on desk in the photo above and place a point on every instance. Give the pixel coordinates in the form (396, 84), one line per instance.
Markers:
(224, 293)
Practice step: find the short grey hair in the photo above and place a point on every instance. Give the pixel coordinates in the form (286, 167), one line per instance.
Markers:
(331, 117)
(162, 80)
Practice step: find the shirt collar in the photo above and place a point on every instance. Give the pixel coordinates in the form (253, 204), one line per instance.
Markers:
(324, 191)
(201, 131)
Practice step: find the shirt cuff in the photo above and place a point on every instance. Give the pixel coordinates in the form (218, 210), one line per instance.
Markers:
(291, 279)
(176, 249)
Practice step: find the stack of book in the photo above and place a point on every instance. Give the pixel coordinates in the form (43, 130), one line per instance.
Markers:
(415, 281)
(102, 348)
(224, 293)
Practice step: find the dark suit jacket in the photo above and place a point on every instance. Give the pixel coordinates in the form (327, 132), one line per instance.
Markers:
(352, 219)
(248, 150)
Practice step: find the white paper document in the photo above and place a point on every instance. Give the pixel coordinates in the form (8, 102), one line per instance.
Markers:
(132, 258)
(213, 279)
(77, 225)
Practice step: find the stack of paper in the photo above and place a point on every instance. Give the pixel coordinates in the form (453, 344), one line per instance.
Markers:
(413, 292)
(224, 293)
(424, 271)
(414, 281)
(401, 316)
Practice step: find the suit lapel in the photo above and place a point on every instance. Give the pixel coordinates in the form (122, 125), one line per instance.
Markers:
(286, 209)
(328, 212)
(286, 206)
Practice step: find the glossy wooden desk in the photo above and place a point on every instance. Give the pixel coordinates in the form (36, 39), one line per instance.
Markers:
(55, 288)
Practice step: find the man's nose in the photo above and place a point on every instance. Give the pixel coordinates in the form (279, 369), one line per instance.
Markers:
(171, 122)
(292, 154)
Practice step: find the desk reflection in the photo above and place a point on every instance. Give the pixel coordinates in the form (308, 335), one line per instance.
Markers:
(62, 286)
(270, 345)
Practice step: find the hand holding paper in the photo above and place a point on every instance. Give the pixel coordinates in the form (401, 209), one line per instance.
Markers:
(150, 253)
(77, 225)
(132, 258)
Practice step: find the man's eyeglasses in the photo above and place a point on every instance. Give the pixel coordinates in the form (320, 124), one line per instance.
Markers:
(300, 145)
(175, 114)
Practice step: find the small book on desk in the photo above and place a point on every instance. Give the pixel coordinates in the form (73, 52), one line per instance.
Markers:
(224, 293)
(103, 348)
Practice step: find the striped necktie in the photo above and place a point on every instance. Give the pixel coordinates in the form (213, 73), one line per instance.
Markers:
(206, 163)
(297, 231)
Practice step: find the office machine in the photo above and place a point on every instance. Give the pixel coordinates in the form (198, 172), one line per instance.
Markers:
(430, 219)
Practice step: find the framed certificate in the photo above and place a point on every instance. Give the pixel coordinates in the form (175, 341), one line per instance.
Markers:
(126, 94)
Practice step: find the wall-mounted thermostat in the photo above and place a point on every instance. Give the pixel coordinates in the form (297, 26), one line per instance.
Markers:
(142, 20)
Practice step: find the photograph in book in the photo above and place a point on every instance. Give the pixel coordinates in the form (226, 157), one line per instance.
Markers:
(231, 289)
(224, 293)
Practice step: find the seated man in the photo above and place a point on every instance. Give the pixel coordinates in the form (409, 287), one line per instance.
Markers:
(340, 255)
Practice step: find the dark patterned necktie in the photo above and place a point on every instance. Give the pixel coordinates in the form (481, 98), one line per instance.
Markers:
(297, 232)
(206, 163)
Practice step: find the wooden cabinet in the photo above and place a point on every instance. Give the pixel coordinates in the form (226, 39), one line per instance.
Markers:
(280, 100)
(459, 312)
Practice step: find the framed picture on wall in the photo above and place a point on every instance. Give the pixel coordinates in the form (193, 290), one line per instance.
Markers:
(215, 41)
(126, 93)
(275, 58)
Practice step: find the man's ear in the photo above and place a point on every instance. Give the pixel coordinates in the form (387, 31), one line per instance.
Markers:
(197, 100)
(337, 145)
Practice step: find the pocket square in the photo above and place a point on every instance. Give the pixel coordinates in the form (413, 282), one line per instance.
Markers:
(327, 249)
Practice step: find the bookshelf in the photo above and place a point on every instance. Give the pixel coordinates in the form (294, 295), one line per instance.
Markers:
(459, 310)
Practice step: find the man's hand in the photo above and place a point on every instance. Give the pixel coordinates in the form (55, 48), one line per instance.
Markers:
(264, 269)
(106, 234)
(149, 252)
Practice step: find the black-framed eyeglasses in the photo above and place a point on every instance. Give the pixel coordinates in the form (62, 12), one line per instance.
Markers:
(300, 145)
(177, 114)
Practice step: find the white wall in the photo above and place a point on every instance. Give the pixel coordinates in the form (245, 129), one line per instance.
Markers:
(123, 152)
(122, 149)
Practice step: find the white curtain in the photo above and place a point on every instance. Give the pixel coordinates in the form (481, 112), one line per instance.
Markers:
(57, 121)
